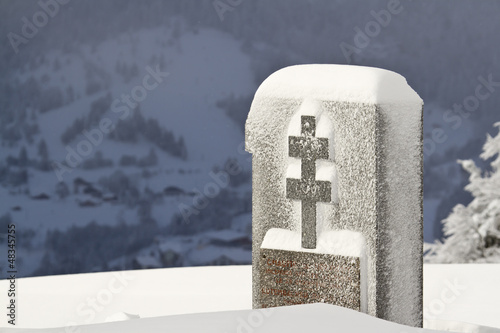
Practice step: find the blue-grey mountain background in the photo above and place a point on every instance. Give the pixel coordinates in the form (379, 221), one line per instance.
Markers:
(134, 201)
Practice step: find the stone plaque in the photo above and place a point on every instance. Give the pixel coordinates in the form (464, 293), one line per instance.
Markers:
(292, 277)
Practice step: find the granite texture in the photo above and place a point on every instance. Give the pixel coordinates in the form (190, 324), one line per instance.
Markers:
(290, 277)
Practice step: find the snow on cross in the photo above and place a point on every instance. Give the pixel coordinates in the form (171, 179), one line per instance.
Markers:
(307, 189)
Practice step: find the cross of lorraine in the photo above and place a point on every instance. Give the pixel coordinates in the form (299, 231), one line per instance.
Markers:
(308, 148)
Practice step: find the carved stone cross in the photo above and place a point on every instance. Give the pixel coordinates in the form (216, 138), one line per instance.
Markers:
(308, 148)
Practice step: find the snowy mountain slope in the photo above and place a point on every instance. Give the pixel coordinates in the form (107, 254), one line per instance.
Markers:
(203, 67)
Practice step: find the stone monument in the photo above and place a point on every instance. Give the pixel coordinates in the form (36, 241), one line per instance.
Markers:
(337, 190)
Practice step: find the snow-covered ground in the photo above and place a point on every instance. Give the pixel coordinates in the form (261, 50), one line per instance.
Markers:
(456, 297)
(292, 319)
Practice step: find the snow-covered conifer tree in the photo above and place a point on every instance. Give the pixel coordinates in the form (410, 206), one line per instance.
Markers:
(473, 231)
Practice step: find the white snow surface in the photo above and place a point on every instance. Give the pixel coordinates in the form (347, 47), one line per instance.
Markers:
(300, 318)
(340, 83)
(182, 294)
(121, 316)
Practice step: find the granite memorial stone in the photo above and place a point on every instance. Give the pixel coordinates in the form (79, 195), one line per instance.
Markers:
(337, 190)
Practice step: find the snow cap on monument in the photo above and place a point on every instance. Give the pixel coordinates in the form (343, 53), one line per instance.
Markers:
(337, 186)
(342, 83)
